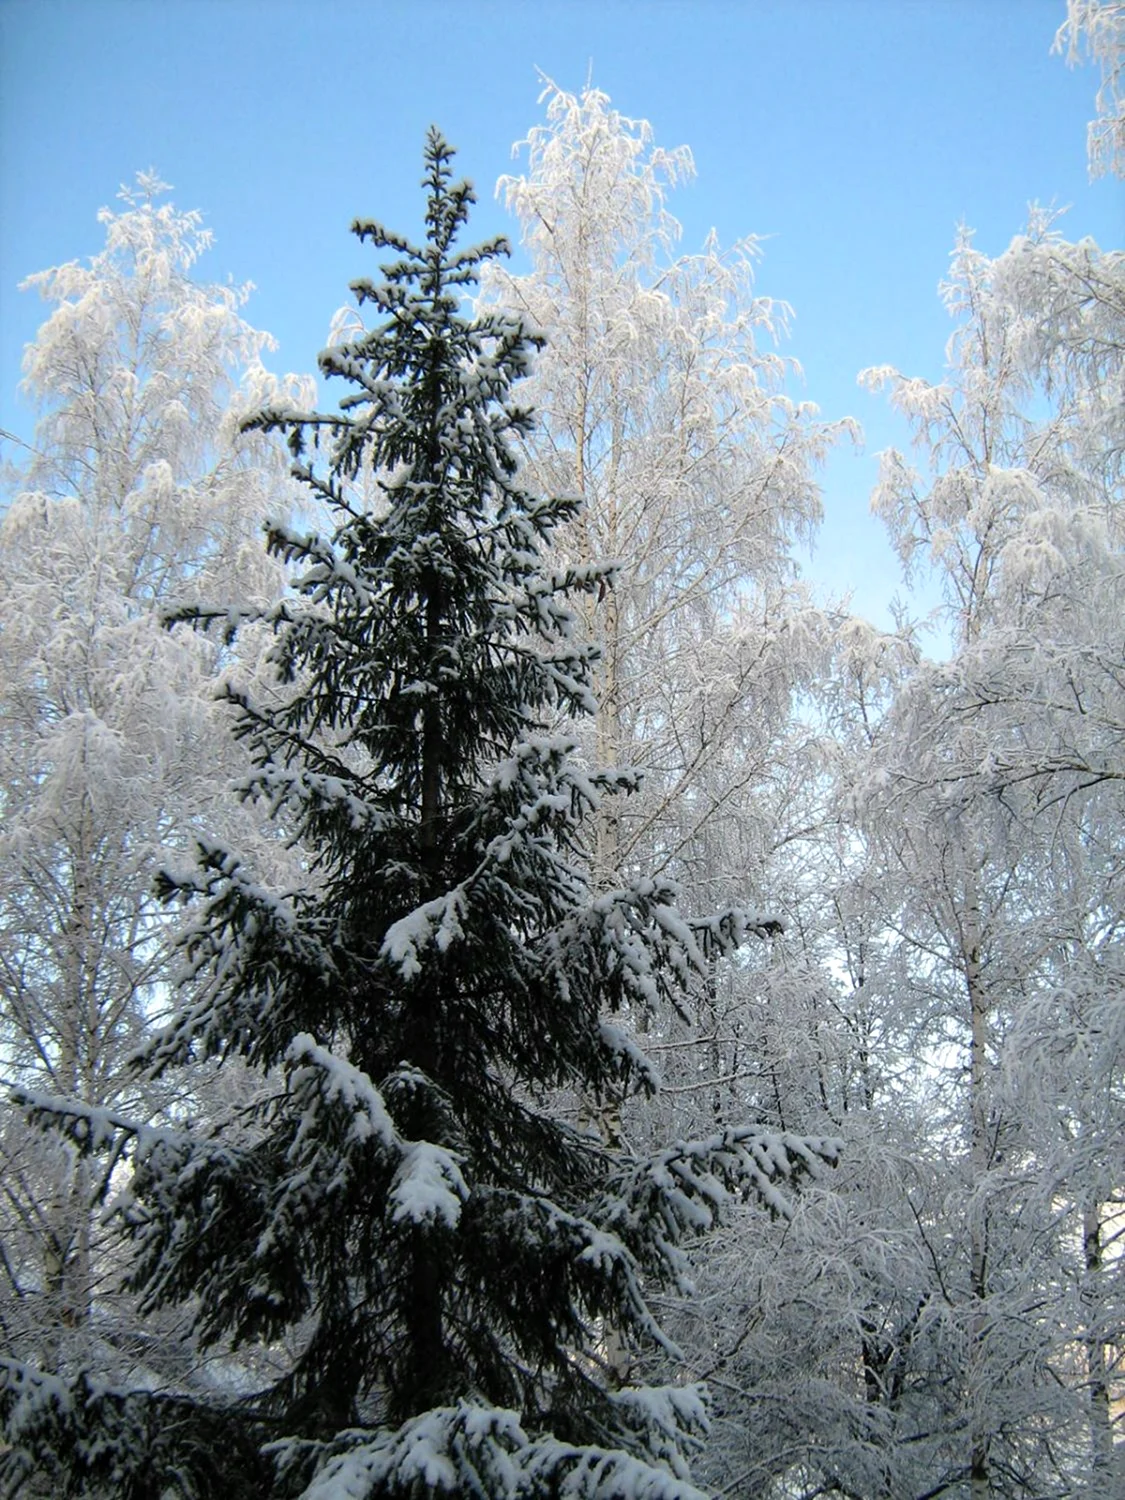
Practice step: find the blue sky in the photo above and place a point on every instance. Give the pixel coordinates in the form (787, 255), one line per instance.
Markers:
(853, 135)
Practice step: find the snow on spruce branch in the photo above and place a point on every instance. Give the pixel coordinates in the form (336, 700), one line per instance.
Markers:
(469, 1449)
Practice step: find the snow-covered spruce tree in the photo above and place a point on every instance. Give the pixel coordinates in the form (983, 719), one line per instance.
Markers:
(407, 1208)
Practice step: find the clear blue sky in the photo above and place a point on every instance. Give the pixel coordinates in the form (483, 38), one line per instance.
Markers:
(854, 134)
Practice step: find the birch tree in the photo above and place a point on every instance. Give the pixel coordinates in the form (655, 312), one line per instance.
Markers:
(138, 488)
(998, 800)
(1097, 28)
(664, 404)
(945, 1319)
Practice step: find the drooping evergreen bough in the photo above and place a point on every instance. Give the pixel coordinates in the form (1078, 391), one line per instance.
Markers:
(405, 1207)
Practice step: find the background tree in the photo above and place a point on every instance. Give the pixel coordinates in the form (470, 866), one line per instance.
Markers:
(139, 486)
(449, 1254)
(1097, 27)
(663, 404)
(947, 1318)
(993, 797)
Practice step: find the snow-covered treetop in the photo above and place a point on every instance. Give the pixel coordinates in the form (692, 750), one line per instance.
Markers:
(1097, 27)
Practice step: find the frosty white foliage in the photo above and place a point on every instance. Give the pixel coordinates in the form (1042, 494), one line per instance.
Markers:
(93, 1128)
(674, 1420)
(281, 789)
(1043, 321)
(662, 402)
(97, 1430)
(1097, 27)
(620, 1043)
(437, 922)
(36, 1396)
(990, 805)
(138, 489)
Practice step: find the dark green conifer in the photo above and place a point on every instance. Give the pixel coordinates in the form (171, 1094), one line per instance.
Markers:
(406, 1205)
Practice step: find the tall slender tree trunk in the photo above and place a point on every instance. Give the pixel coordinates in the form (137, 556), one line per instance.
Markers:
(425, 1378)
(980, 1152)
(67, 1251)
(1097, 1366)
(610, 737)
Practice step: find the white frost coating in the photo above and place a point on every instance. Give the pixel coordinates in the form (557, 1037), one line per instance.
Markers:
(280, 787)
(336, 1079)
(428, 1186)
(92, 1127)
(36, 1396)
(353, 1476)
(599, 1474)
